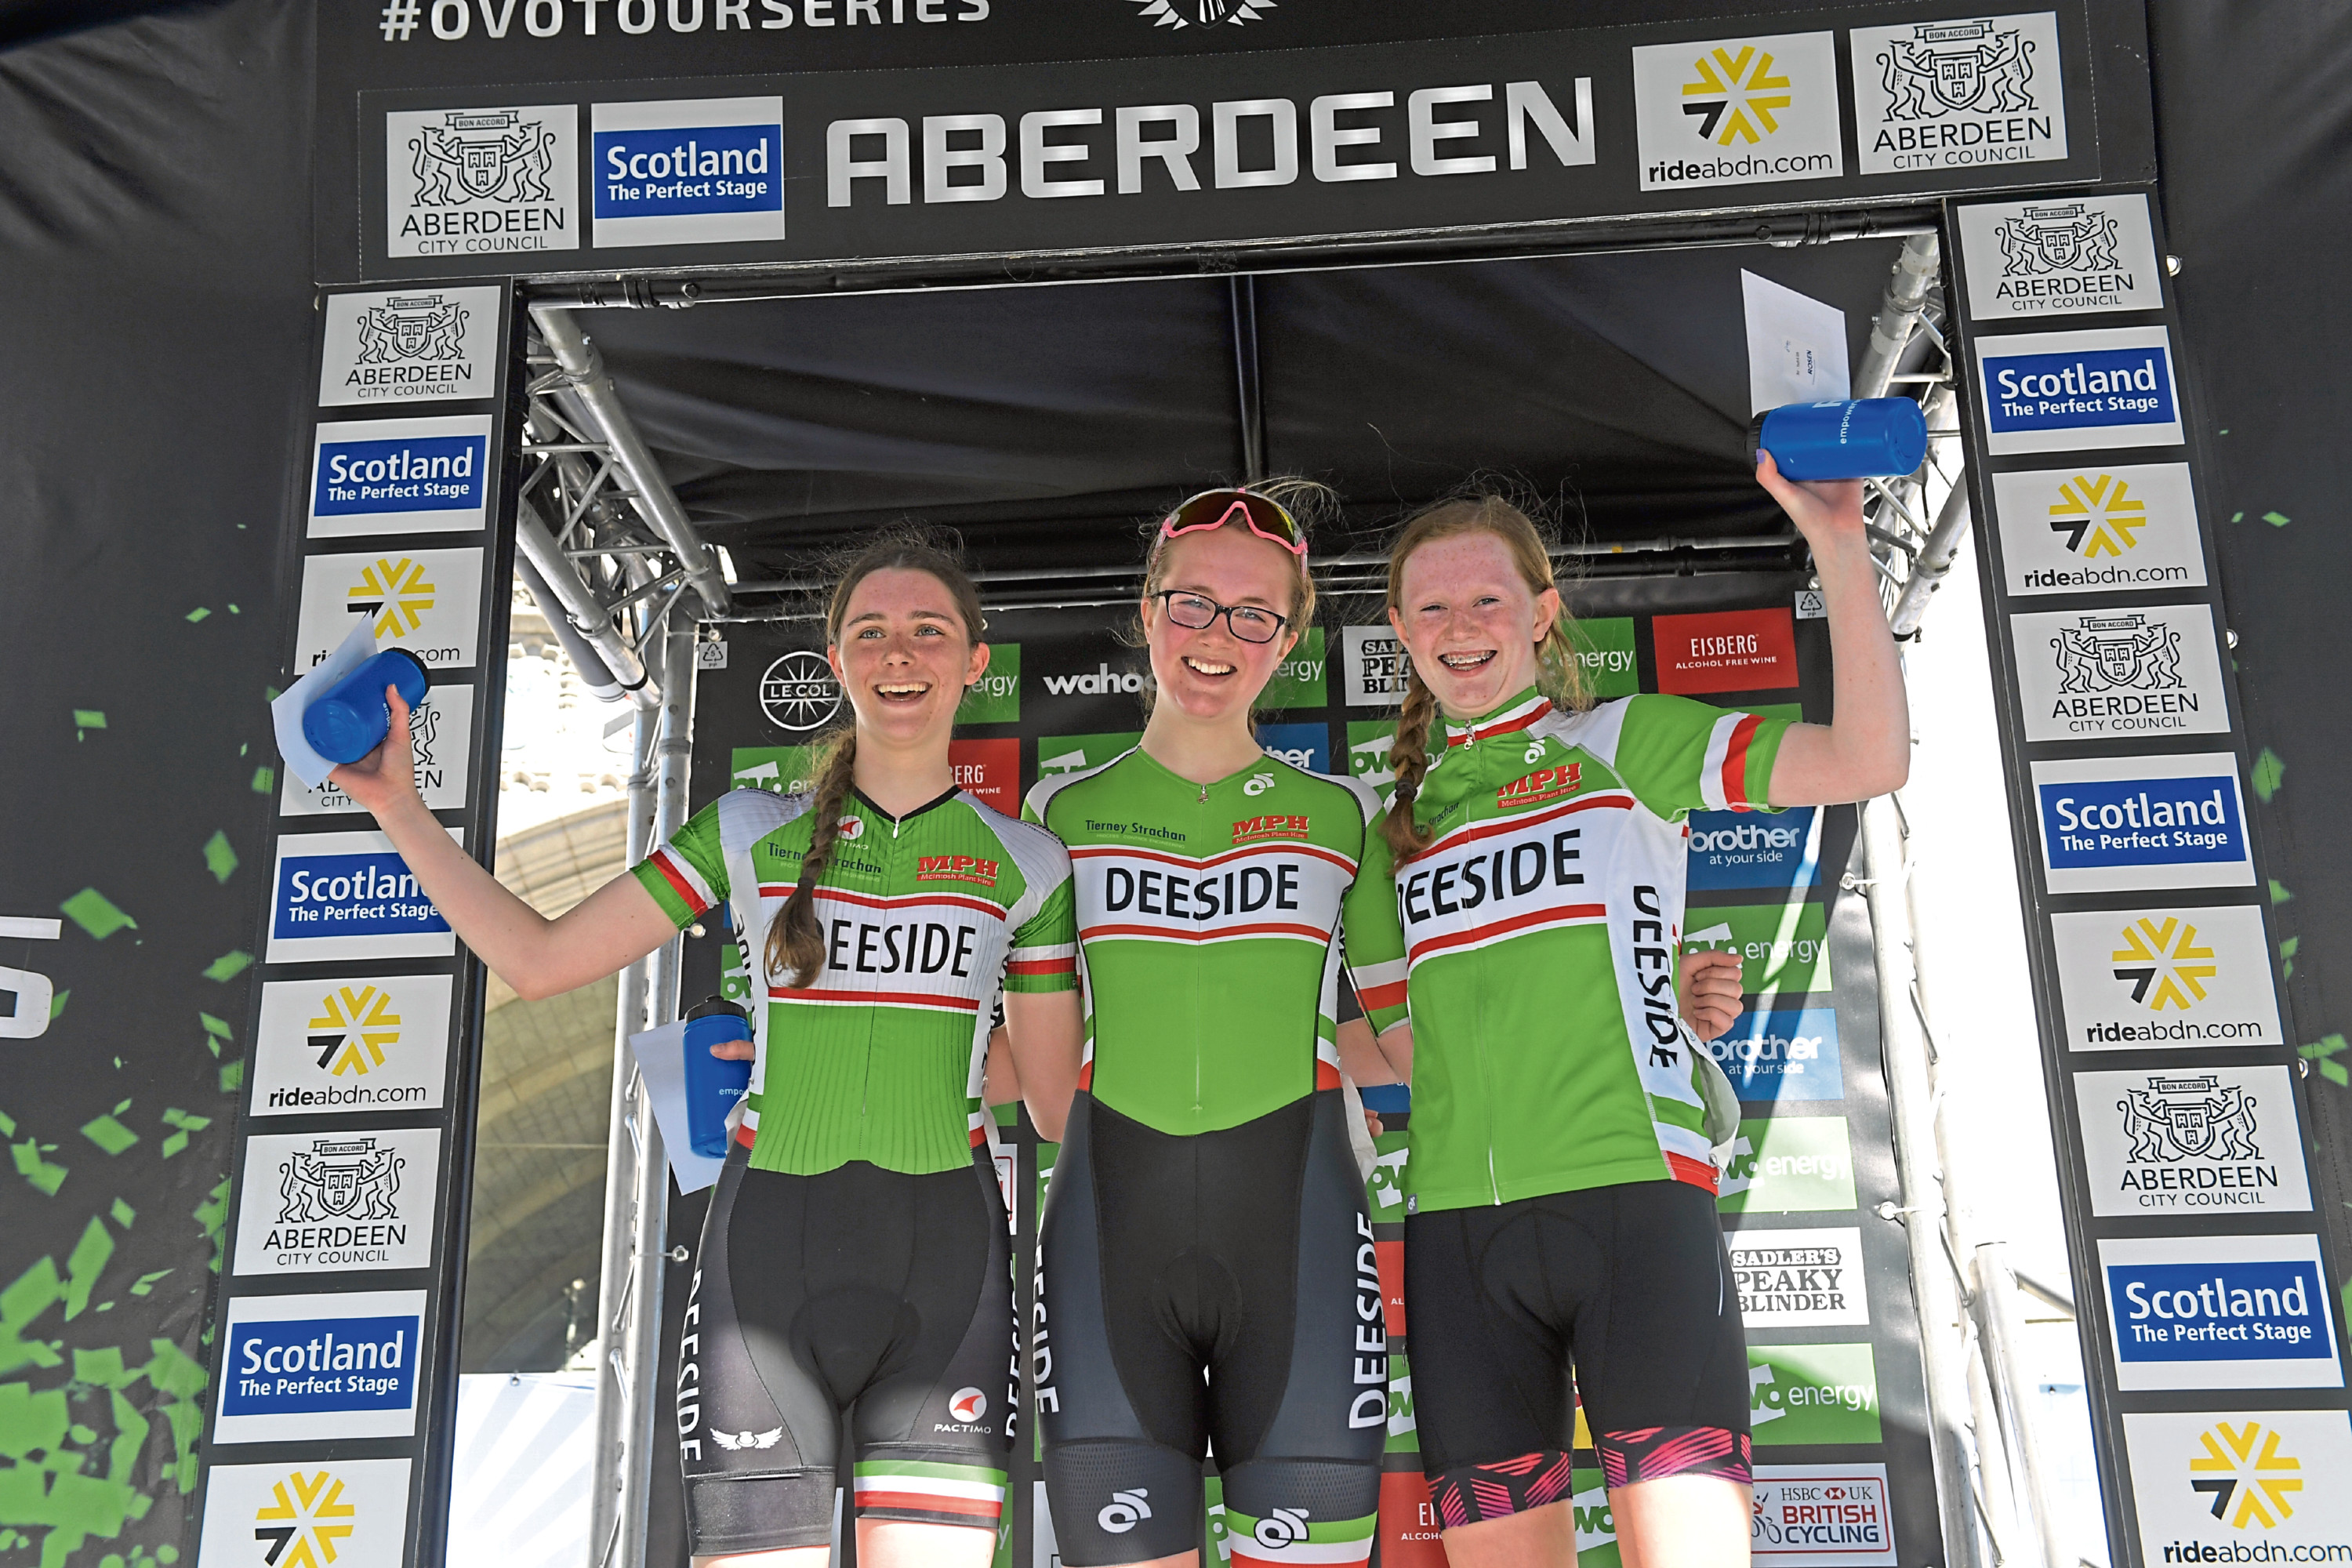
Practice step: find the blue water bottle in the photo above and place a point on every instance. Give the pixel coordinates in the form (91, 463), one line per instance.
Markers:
(1871, 438)
(713, 1086)
(353, 718)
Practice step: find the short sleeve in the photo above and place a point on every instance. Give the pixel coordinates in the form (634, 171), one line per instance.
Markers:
(1678, 756)
(1372, 935)
(687, 876)
(1045, 953)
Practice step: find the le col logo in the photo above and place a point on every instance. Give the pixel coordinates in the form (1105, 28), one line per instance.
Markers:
(462, 180)
(798, 692)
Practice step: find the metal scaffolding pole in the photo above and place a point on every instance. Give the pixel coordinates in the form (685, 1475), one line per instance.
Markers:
(1898, 314)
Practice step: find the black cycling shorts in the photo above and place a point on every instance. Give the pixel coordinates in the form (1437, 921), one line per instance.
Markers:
(870, 1291)
(1628, 1285)
(1244, 1254)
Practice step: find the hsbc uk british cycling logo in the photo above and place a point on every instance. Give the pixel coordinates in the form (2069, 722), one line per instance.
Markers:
(2178, 1119)
(1958, 68)
(422, 327)
(1180, 14)
(2040, 241)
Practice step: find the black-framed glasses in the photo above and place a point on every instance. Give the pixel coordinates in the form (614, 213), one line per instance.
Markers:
(1198, 613)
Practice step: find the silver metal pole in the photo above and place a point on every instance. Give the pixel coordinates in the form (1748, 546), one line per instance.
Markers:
(1996, 1317)
(1943, 1336)
(1935, 563)
(650, 489)
(1898, 315)
(580, 608)
(611, 1538)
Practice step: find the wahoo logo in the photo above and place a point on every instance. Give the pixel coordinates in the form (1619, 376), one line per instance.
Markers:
(1280, 1528)
(1541, 786)
(956, 868)
(1370, 1408)
(1253, 829)
(1102, 681)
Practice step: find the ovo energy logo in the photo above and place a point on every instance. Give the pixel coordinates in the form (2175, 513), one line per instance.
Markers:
(2164, 959)
(352, 1028)
(1737, 92)
(395, 592)
(308, 1514)
(2245, 1465)
(2098, 516)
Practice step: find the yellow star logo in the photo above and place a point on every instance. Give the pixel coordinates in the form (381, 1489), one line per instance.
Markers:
(2244, 1465)
(2163, 957)
(352, 1028)
(311, 1518)
(2097, 515)
(1737, 94)
(395, 593)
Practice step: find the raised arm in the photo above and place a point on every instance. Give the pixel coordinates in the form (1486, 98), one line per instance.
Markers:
(614, 926)
(1865, 748)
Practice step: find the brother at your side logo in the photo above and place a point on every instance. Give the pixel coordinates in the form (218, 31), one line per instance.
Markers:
(2101, 528)
(350, 895)
(2063, 392)
(320, 1367)
(2240, 1485)
(2220, 1311)
(2118, 823)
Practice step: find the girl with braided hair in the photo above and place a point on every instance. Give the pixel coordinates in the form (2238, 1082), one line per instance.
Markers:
(855, 1255)
(1527, 916)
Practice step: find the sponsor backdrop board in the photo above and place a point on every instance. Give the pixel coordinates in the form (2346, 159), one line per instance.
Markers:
(2214, 1349)
(335, 1362)
(1837, 1392)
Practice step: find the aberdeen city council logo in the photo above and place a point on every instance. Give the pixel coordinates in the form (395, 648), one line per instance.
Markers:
(306, 1521)
(798, 692)
(1738, 94)
(495, 155)
(1947, 67)
(2097, 515)
(461, 181)
(339, 1179)
(2250, 1477)
(2104, 653)
(2177, 1119)
(2163, 963)
(1205, 12)
(354, 1026)
(2043, 240)
(421, 327)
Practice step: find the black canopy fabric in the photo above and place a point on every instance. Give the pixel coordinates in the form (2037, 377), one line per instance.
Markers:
(1042, 421)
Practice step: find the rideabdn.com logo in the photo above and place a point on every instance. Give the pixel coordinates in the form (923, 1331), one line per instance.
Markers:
(2171, 1031)
(1744, 166)
(2101, 576)
(2254, 1551)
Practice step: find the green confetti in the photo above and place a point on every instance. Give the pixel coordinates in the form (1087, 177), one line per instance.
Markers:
(2324, 1051)
(124, 1215)
(81, 1434)
(216, 1026)
(232, 1076)
(2279, 895)
(270, 694)
(57, 1005)
(146, 1285)
(46, 1178)
(2276, 519)
(2237, 517)
(7, 1125)
(89, 719)
(2286, 951)
(233, 610)
(108, 1134)
(228, 965)
(83, 1265)
(219, 859)
(265, 779)
(198, 614)
(2268, 770)
(96, 913)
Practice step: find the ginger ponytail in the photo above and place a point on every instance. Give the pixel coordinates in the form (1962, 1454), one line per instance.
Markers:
(1560, 674)
(795, 946)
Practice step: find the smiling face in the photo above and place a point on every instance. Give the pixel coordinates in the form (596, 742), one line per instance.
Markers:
(1471, 622)
(1212, 676)
(904, 657)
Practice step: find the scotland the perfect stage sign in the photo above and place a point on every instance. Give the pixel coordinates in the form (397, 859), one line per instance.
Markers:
(696, 171)
(320, 1367)
(350, 895)
(400, 476)
(2116, 824)
(2067, 392)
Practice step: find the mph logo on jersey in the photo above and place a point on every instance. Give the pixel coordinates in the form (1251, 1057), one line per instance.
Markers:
(2078, 257)
(351, 1045)
(413, 346)
(2133, 979)
(332, 1204)
(350, 1513)
(2201, 1140)
(475, 181)
(1959, 94)
(2154, 670)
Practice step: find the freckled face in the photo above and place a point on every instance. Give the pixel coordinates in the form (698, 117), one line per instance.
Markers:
(1470, 622)
(1209, 673)
(905, 658)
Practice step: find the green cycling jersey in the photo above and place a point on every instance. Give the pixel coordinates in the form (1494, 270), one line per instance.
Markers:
(924, 916)
(1533, 944)
(1209, 924)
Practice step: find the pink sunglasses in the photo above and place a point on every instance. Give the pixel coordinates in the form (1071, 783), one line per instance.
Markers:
(1215, 509)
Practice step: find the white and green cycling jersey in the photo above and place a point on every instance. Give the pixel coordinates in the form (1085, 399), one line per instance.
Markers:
(1209, 925)
(924, 916)
(1533, 944)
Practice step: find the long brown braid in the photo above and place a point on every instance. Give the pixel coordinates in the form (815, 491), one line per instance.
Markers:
(1560, 675)
(795, 945)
